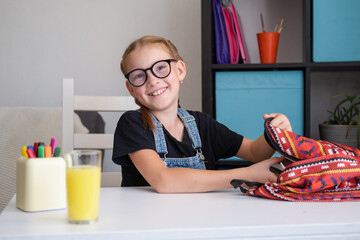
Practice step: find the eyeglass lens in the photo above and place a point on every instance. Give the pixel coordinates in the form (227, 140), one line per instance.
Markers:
(159, 69)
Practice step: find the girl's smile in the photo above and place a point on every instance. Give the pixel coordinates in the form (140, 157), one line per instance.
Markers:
(158, 92)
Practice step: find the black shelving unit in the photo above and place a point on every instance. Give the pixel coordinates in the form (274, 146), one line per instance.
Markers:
(209, 66)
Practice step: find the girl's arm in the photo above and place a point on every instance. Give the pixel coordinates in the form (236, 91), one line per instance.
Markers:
(182, 180)
(259, 149)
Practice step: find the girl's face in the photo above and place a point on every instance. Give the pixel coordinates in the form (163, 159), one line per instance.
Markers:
(157, 94)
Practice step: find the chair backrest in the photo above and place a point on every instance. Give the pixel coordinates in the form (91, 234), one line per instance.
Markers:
(71, 140)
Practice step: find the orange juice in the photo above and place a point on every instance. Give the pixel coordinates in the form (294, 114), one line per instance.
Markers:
(83, 186)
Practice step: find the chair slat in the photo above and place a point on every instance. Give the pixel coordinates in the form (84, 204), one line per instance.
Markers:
(104, 103)
(93, 141)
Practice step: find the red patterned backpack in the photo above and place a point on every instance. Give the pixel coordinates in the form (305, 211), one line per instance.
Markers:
(319, 170)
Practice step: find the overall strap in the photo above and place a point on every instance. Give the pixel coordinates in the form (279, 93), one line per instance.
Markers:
(190, 124)
(159, 137)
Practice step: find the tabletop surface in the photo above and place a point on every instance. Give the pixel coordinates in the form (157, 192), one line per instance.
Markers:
(141, 213)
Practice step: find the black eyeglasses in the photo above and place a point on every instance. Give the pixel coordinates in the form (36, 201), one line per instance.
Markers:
(160, 69)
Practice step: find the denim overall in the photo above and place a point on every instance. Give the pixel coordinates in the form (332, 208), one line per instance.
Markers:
(197, 161)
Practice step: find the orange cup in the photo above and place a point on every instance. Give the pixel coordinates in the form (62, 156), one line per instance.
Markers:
(268, 45)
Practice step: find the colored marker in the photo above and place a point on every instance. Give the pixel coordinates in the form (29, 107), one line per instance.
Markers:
(30, 146)
(48, 151)
(41, 152)
(23, 151)
(36, 144)
(31, 153)
(53, 145)
(41, 144)
(57, 152)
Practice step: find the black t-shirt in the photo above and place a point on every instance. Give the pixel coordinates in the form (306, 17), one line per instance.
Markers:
(217, 141)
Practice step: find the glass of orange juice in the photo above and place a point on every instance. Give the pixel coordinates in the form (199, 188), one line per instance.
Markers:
(83, 175)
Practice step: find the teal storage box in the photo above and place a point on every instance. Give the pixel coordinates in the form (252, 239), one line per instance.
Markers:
(243, 97)
(336, 30)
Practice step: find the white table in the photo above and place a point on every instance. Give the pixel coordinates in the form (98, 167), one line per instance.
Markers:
(141, 213)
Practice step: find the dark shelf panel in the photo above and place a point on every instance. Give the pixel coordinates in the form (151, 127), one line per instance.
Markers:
(323, 66)
(244, 67)
(335, 66)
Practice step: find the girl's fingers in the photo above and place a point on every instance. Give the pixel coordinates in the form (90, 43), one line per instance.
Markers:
(266, 116)
(275, 160)
(280, 121)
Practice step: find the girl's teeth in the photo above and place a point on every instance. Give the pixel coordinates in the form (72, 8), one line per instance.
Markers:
(158, 92)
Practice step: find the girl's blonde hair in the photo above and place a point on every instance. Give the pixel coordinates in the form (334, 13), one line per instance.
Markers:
(141, 42)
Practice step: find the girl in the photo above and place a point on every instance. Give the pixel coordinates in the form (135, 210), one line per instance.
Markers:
(170, 148)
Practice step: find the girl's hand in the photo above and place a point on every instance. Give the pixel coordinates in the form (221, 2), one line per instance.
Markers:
(280, 121)
(260, 172)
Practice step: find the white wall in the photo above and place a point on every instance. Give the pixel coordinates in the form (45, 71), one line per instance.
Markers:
(44, 41)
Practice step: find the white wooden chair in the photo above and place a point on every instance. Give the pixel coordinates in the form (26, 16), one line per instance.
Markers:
(71, 140)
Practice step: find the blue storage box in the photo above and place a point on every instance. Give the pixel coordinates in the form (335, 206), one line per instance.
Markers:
(243, 97)
(336, 30)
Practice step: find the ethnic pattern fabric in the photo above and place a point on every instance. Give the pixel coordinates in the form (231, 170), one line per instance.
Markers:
(320, 170)
(296, 147)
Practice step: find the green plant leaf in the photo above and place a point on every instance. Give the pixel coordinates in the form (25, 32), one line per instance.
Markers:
(348, 129)
(346, 112)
